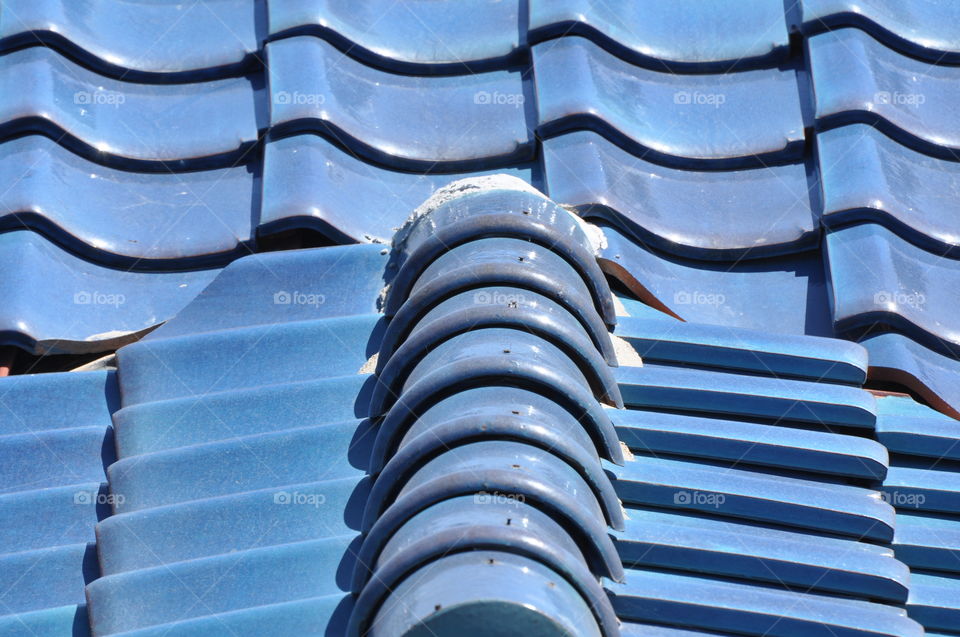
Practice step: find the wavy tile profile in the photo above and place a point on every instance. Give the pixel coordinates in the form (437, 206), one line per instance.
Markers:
(686, 121)
(740, 214)
(153, 128)
(923, 29)
(134, 220)
(463, 122)
(857, 79)
(418, 37)
(85, 307)
(311, 183)
(868, 177)
(877, 277)
(137, 41)
(680, 36)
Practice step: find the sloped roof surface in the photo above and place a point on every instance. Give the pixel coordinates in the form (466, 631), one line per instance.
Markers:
(640, 322)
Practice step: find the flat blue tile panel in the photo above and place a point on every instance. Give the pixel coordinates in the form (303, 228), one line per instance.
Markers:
(106, 307)
(868, 176)
(935, 601)
(410, 122)
(133, 220)
(786, 295)
(877, 277)
(926, 29)
(417, 37)
(908, 427)
(310, 183)
(690, 121)
(677, 35)
(858, 79)
(139, 41)
(149, 127)
(707, 215)
(928, 541)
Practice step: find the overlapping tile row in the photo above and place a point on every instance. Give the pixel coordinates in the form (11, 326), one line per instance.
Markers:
(242, 450)
(490, 432)
(922, 484)
(752, 492)
(56, 440)
(883, 82)
(129, 159)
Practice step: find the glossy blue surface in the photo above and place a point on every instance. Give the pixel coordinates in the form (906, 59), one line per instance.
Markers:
(868, 177)
(417, 37)
(389, 119)
(858, 79)
(109, 35)
(696, 36)
(688, 121)
(708, 215)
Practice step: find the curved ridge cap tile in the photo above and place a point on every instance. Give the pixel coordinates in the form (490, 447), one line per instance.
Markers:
(752, 443)
(521, 596)
(858, 80)
(899, 359)
(259, 289)
(868, 177)
(837, 508)
(678, 36)
(436, 547)
(708, 215)
(501, 371)
(411, 456)
(722, 393)
(496, 206)
(109, 35)
(308, 182)
(107, 308)
(804, 357)
(924, 29)
(686, 121)
(407, 366)
(139, 220)
(388, 119)
(786, 295)
(697, 602)
(417, 37)
(586, 527)
(505, 307)
(877, 277)
(712, 546)
(155, 128)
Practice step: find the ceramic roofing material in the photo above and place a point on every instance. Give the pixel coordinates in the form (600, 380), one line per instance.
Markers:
(922, 29)
(122, 218)
(56, 441)
(858, 79)
(418, 37)
(108, 35)
(686, 121)
(707, 215)
(868, 177)
(683, 36)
